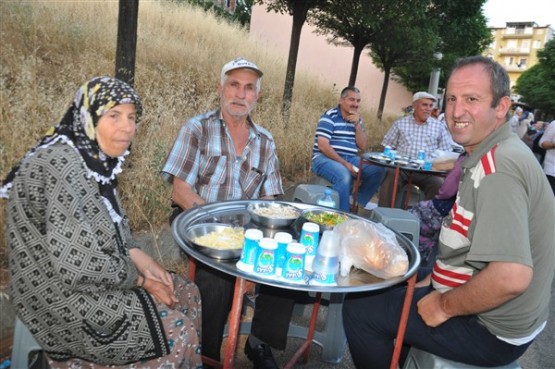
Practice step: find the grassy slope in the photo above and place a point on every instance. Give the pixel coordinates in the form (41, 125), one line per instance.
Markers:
(48, 48)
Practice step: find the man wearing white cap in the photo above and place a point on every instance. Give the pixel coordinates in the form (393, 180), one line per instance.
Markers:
(223, 155)
(409, 135)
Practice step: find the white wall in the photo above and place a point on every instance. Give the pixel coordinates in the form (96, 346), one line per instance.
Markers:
(332, 64)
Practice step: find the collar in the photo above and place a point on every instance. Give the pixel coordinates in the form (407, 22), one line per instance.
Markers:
(500, 134)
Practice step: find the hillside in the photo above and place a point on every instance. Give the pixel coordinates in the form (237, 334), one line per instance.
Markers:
(49, 48)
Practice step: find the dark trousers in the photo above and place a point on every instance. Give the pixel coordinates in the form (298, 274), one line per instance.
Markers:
(371, 322)
(427, 183)
(551, 180)
(272, 313)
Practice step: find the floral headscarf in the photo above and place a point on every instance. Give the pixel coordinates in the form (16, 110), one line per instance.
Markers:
(78, 129)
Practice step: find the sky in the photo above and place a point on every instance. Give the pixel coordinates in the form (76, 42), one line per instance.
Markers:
(499, 12)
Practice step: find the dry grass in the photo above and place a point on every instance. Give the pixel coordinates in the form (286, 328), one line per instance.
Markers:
(48, 48)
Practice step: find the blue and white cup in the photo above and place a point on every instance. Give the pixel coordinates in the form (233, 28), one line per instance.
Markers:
(283, 239)
(421, 155)
(265, 260)
(250, 248)
(293, 268)
(387, 150)
(310, 236)
(427, 165)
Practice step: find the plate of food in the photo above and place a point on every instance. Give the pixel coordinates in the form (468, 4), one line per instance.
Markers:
(380, 157)
(273, 214)
(401, 162)
(326, 219)
(218, 241)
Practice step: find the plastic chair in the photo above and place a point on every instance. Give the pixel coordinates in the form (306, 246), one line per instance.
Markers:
(317, 180)
(331, 338)
(418, 359)
(23, 344)
(311, 193)
(413, 193)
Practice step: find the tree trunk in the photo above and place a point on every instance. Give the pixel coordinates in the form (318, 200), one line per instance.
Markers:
(385, 84)
(354, 65)
(299, 17)
(127, 40)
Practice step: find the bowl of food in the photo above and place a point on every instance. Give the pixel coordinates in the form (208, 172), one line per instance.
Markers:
(273, 214)
(218, 241)
(380, 157)
(327, 219)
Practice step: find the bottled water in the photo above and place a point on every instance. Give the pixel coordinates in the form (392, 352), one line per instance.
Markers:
(326, 199)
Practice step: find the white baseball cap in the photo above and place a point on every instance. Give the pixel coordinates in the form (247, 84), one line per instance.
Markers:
(423, 95)
(240, 63)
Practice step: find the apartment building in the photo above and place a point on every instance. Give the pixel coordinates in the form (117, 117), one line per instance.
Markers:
(515, 46)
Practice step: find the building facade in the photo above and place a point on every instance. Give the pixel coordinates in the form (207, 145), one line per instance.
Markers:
(515, 46)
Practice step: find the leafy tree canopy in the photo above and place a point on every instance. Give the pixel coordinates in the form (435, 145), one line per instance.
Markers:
(537, 85)
(462, 29)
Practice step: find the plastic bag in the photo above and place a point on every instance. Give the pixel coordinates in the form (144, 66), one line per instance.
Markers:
(371, 247)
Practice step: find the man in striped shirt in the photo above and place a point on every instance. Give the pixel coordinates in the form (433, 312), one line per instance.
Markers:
(339, 137)
(488, 295)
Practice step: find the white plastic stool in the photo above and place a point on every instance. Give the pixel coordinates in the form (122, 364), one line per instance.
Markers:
(414, 194)
(317, 180)
(418, 359)
(331, 339)
(399, 220)
(310, 194)
(23, 344)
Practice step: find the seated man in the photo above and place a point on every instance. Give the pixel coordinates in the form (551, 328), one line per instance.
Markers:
(223, 155)
(488, 295)
(339, 136)
(410, 134)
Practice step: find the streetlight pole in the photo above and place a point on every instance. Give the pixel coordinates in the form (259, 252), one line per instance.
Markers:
(434, 76)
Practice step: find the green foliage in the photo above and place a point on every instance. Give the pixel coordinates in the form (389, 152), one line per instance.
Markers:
(462, 31)
(242, 14)
(398, 33)
(537, 85)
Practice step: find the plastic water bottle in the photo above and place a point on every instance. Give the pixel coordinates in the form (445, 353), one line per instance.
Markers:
(326, 199)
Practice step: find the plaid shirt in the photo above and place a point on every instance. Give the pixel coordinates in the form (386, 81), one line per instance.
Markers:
(203, 155)
(408, 137)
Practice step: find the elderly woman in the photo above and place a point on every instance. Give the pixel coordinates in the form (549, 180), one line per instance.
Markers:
(89, 296)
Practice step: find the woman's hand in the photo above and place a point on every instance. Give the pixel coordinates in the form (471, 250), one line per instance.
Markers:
(158, 281)
(161, 292)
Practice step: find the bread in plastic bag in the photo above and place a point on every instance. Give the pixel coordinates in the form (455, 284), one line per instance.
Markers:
(371, 247)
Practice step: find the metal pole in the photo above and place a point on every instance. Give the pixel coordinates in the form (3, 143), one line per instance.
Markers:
(434, 76)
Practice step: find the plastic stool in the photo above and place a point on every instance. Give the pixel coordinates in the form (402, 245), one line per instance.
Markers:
(418, 359)
(310, 194)
(399, 220)
(317, 180)
(331, 339)
(23, 344)
(414, 194)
